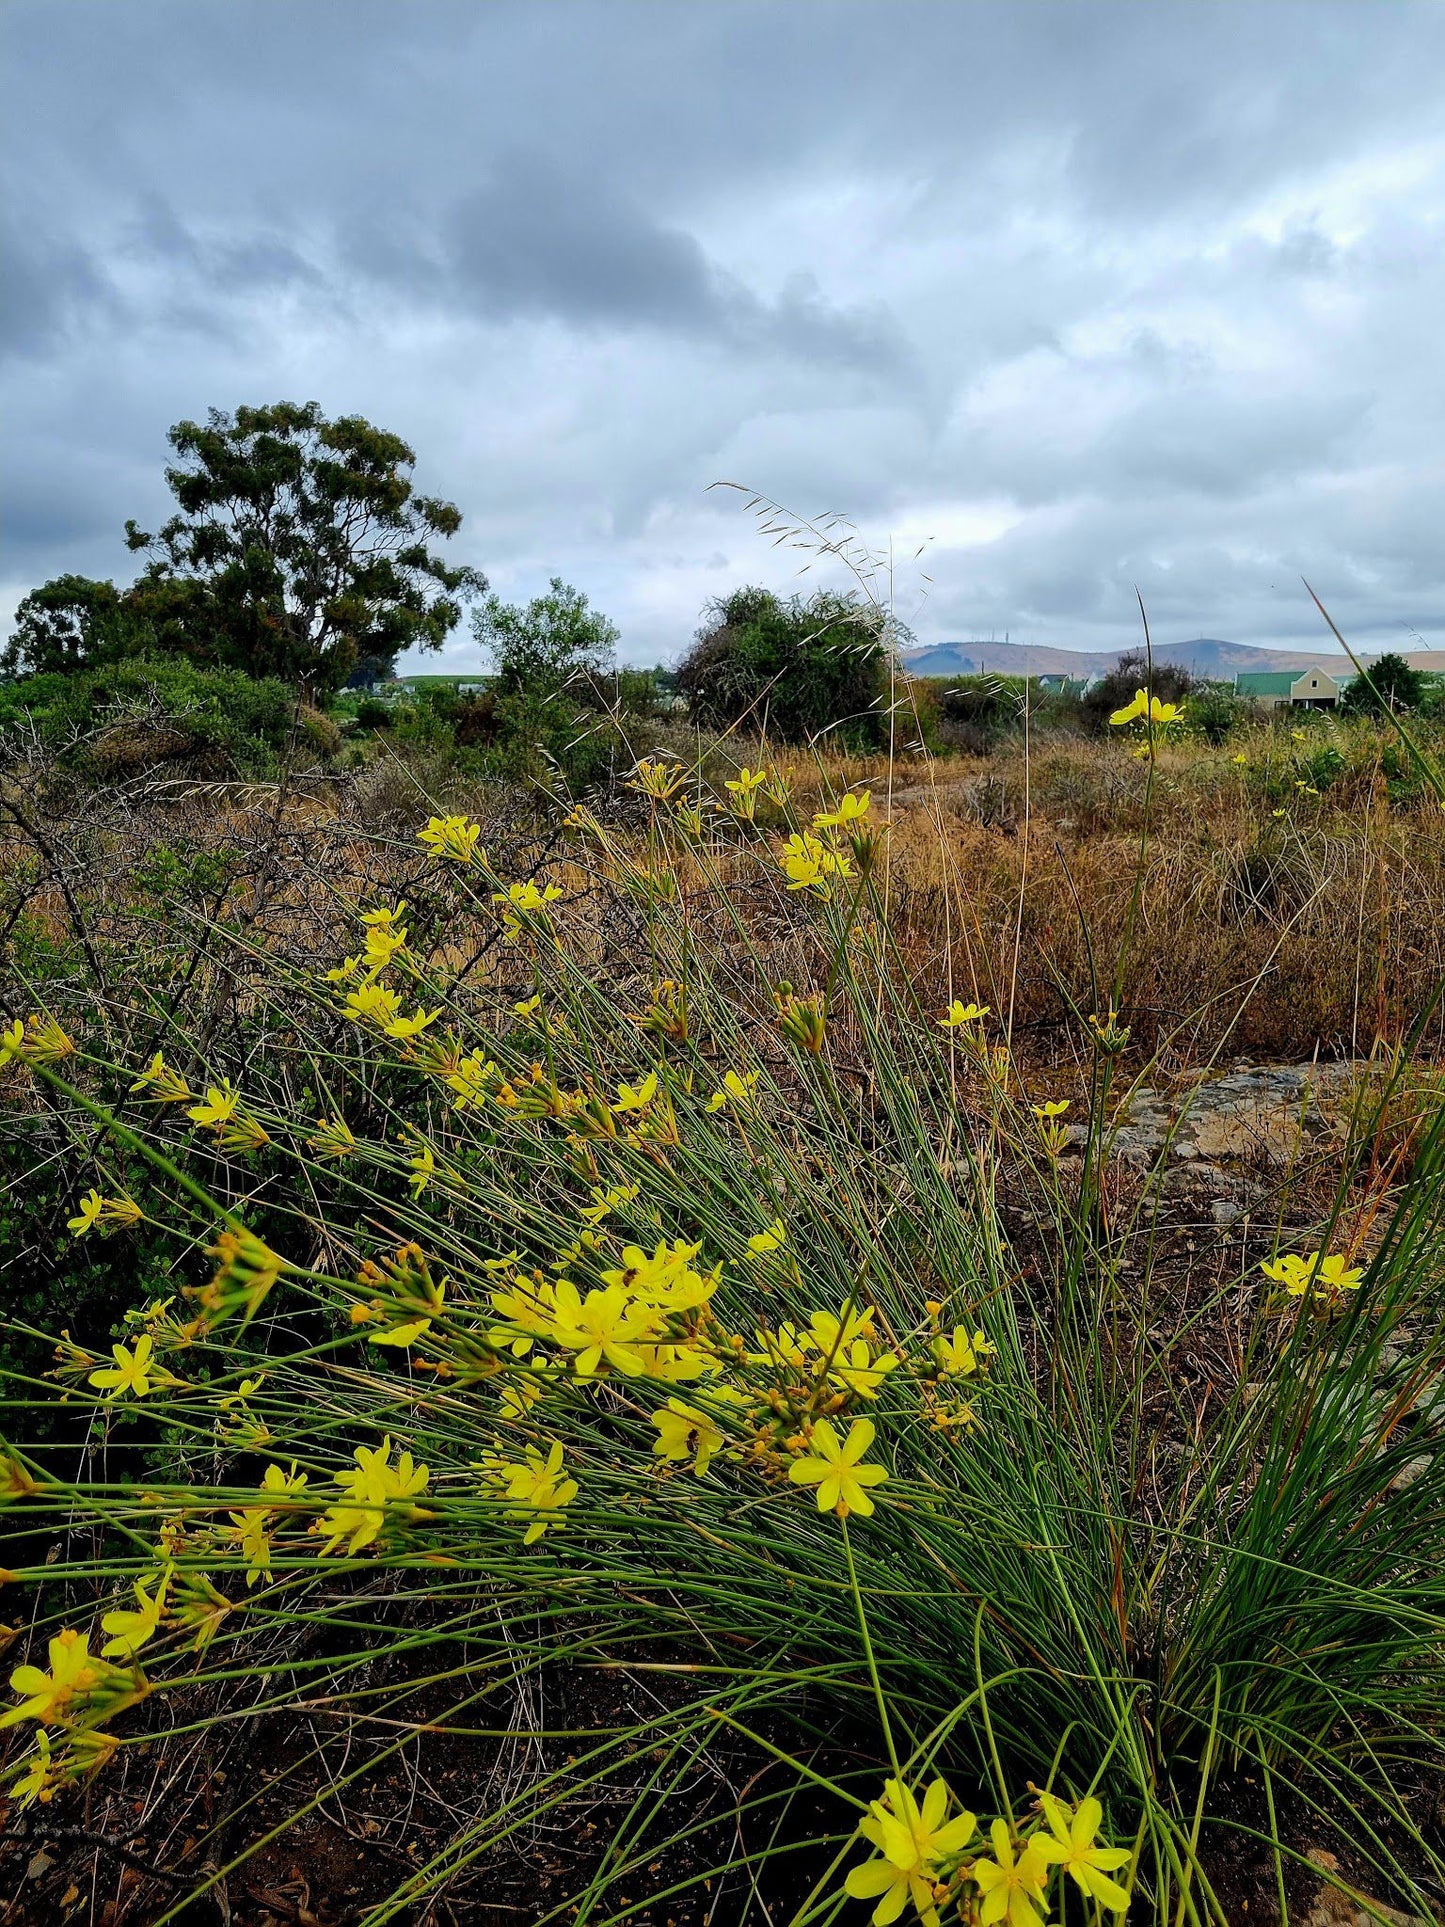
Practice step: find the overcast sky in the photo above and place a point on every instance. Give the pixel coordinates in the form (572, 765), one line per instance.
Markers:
(1085, 295)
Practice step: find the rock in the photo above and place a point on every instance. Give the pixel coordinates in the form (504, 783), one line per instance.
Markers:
(1408, 1474)
(1342, 1906)
(1265, 1115)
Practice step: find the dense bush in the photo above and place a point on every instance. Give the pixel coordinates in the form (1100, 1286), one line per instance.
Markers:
(975, 713)
(800, 669)
(120, 717)
(1170, 682)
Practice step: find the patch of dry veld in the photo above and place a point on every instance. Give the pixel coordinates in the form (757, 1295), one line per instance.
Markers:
(1265, 928)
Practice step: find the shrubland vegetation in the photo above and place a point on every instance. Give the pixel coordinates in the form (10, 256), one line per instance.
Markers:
(577, 1341)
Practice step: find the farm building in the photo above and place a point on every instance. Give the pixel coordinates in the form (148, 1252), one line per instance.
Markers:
(1292, 688)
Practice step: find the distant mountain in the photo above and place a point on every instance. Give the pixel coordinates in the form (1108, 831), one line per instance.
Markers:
(1206, 656)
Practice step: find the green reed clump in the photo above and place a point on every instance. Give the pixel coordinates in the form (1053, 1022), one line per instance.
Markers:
(635, 1294)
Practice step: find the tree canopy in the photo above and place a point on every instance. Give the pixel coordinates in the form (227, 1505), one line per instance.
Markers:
(70, 623)
(553, 640)
(1394, 685)
(305, 545)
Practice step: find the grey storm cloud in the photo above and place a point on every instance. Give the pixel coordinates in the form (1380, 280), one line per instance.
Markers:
(536, 241)
(1073, 297)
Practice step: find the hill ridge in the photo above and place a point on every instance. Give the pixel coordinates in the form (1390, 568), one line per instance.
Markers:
(1205, 655)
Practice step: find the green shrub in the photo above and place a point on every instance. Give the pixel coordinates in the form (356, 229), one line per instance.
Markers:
(800, 669)
(121, 717)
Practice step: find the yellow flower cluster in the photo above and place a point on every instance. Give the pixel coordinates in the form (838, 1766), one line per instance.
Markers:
(1323, 1280)
(812, 859)
(369, 1000)
(924, 1856)
(534, 1487)
(375, 1491)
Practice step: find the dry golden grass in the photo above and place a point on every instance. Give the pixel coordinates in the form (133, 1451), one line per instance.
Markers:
(1272, 922)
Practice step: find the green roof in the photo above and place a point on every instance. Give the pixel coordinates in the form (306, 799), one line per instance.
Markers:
(1266, 682)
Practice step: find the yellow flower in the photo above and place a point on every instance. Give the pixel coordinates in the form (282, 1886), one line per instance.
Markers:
(423, 1170)
(131, 1629)
(850, 808)
(1012, 1887)
(1320, 1277)
(224, 1113)
(638, 1098)
(382, 919)
(526, 896)
(382, 943)
(744, 790)
(535, 1489)
(1054, 1135)
(773, 1239)
(961, 1355)
(36, 1782)
(747, 781)
(91, 1206)
(48, 1697)
(737, 1088)
(859, 1369)
(106, 1212)
(604, 1202)
(252, 1525)
(664, 1280)
(604, 1325)
(406, 1027)
(371, 1003)
(912, 1840)
(831, 1333)
(132, 1371)
(1069, 1843)
(218, 1107)
(528, 1309)
(371, 1488)
(676, 1363)
(686, 1433)
(12, 1040)
(807, 862)
(1148, 709)
(960, 1013)
(835, 1469)
(468, 1081)
(451, 836)
(516, 1400)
